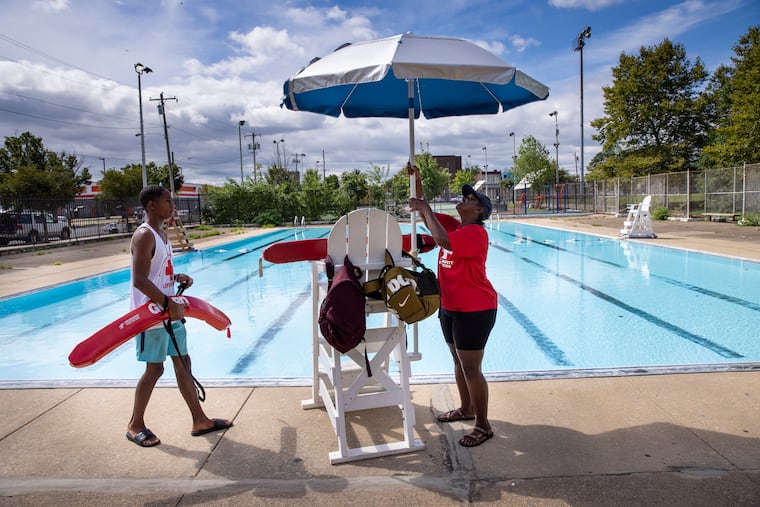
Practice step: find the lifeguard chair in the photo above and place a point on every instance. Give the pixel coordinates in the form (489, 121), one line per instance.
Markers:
(638, 223)
(341, 383)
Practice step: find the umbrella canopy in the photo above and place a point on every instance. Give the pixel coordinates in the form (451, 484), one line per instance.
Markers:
(405, 75)
(451, 77)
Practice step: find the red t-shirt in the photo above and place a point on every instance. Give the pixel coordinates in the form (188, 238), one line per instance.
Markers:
(462, 270)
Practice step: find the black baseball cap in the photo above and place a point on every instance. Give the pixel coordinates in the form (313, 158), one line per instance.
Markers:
(485, 202)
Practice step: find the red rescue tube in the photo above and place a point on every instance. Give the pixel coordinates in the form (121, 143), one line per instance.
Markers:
(104, 341)
(316, 249)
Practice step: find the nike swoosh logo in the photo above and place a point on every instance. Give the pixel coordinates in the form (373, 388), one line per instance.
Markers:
(401, 304)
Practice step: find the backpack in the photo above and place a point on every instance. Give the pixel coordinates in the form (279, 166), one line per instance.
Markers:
(413, 295)
(342, 314)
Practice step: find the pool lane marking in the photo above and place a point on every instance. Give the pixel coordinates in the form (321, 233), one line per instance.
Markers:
(257, 347)
(701, 290)
(259, 247)
(678, 331)
(543, 342)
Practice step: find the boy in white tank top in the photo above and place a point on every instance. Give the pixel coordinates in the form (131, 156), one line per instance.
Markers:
(152, 278)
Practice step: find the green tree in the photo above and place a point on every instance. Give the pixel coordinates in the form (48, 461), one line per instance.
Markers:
(29, 171)
(317, 199)
(654, 119)
(463, 177)
(376, 181)
(434, 179)
(354, 184)
(122, 183)
(735, 91)
(534, 163)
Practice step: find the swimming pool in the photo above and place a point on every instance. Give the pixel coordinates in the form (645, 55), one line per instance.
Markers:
(569, 304)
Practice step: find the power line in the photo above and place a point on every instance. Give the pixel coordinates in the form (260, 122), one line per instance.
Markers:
(65, 122)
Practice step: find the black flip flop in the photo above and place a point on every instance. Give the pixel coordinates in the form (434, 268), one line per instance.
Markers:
(141, 437)
(219, 424)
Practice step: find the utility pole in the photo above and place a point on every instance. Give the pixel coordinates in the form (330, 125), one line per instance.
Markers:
(162, 112)
(254, 147)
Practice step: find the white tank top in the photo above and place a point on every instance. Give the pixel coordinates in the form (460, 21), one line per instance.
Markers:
(161, 270)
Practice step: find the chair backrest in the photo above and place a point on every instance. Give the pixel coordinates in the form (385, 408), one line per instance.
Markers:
(645, 203)
(364, 235)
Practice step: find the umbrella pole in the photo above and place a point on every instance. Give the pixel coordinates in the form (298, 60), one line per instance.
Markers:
(415, 352)
(412, 183)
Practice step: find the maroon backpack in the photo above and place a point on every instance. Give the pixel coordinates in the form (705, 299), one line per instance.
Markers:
(342, 315)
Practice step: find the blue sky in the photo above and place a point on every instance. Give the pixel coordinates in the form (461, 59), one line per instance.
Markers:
(67, 74)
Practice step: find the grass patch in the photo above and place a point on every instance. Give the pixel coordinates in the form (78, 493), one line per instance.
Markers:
(205, 234)
(3, 266)
(40, 252)
(57, 263)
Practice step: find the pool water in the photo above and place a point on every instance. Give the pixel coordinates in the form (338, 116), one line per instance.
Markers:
(568, 303)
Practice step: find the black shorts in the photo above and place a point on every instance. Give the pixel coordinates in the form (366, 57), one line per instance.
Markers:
(467, 330)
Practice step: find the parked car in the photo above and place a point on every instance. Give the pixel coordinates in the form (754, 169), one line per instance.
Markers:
(32, 227)
(111, 228)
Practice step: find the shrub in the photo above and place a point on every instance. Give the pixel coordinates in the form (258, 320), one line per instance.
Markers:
(751, 219)
(660, 213)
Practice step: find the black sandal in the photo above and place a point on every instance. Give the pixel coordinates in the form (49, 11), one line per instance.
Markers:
(477, 437)
(453, 416)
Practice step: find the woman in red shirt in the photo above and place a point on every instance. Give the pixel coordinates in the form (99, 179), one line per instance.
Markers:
(468, 300)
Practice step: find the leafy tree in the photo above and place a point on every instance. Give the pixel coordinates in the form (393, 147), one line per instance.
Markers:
(376, 178)
(654, 119)
(434, 179)
(29, 171)
(534, 162)
(123, 183)
(354, 183)
(317, 200)
(735, 91)
(463, 177)
(277, 175)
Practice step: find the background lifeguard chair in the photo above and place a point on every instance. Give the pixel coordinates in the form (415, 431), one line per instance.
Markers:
(638, 224)
(340, 382)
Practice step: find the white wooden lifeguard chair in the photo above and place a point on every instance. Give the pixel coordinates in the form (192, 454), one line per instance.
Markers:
(340, 382)
(638, 223)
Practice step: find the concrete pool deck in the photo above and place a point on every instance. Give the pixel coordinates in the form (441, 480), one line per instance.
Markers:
(688, 439)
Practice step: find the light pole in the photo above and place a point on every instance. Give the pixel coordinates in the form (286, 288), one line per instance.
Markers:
(254, 146)
(576, 164)
(298, 157)
(104, 165)
(277, 145)
(323, 170)
(142, 69)
(514, 148)
(485, 149)
(469, 161)
(579, 43)
(240, 141)
(556, 146)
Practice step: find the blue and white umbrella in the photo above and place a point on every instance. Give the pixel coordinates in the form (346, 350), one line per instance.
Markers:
(405, 75)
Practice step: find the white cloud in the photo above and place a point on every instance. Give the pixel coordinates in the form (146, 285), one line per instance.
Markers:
(521, 43)
(51, 5)
(591, 5)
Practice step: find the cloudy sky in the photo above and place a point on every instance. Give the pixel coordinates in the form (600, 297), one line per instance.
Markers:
(67, 74)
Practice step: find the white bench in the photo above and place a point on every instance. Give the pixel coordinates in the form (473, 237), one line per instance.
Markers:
(723, 217)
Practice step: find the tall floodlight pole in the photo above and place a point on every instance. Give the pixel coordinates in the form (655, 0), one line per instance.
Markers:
(579, 43)
(142, 69)
(277, 146)
(556, 146)
(514, 148)
(485, 149)
(240, 141)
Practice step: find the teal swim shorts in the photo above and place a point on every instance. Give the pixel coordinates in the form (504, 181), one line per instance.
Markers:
(154, 345)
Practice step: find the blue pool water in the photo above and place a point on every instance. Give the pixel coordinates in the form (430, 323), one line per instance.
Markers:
(568, 302)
